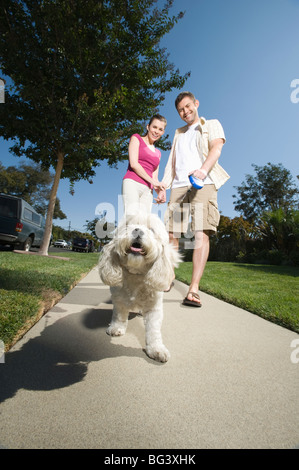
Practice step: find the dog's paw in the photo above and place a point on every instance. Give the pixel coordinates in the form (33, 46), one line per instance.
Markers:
(159, 354)
(114, 330)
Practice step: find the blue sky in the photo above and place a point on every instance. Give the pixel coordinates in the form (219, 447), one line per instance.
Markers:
(243, 57)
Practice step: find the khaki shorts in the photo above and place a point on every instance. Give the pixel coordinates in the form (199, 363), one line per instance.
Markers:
(200, 204)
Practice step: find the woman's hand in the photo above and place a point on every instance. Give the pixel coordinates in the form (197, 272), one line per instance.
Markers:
(161, 198)
(158, 186)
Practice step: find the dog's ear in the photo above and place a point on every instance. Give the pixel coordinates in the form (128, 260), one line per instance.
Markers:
(110, 270)
(161, 274)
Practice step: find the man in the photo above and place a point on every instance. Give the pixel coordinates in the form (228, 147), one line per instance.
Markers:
(195, 150)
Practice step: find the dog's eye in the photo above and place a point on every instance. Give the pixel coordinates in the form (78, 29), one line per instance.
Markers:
(152, 230)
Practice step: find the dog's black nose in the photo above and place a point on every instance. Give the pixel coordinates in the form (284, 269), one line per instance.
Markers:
(137, 233)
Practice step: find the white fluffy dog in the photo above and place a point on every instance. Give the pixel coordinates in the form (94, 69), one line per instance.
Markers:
(138, 264)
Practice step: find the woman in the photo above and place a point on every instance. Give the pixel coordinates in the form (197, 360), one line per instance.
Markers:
(142, 174)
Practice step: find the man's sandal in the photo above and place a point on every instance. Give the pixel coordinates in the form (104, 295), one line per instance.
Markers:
(192, 303)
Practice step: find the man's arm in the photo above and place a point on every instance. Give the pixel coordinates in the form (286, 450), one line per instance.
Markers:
(215, 148)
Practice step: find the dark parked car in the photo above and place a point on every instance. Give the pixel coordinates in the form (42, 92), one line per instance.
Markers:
(20, 225)
(83, 244)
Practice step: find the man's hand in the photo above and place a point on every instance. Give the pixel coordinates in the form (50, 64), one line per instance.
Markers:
(215, 147)
(161, 198)
(158, 186)
(200, 173)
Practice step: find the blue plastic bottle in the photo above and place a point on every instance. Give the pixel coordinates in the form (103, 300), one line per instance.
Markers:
(196, 182)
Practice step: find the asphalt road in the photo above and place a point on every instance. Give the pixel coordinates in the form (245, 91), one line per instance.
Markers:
(52, 249)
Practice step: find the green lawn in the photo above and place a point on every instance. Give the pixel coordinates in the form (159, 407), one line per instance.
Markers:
(31, 284)
(268, 291)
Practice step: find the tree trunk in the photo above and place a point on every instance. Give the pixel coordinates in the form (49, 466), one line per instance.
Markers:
(49, 220)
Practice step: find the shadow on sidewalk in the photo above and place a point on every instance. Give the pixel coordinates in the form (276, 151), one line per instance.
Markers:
(59, 357)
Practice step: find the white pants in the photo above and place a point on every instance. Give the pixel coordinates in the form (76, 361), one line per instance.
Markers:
(136, 197)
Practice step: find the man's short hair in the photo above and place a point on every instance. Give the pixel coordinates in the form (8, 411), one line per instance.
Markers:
(183, 95)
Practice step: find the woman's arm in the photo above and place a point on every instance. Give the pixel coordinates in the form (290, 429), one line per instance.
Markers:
(135, 165)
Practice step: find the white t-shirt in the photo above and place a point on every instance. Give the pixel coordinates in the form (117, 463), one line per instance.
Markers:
(187, 157)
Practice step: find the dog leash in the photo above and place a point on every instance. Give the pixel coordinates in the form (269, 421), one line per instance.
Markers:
(195, 183)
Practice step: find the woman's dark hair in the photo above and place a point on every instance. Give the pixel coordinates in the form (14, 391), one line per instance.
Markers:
(159, 117)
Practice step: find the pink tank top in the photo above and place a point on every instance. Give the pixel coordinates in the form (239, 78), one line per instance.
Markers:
(148, 159)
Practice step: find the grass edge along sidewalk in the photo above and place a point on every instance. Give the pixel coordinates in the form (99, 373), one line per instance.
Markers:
(32, 285)
(268, 291)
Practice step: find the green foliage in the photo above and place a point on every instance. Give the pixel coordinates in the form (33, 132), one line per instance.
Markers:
(279, 231)
(274, 239)
(267, 231)
(32, 184)
(233, 235)
(271, 188)
(85, 73)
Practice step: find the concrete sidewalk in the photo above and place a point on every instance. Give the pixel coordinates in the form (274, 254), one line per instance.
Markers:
(230, 381)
